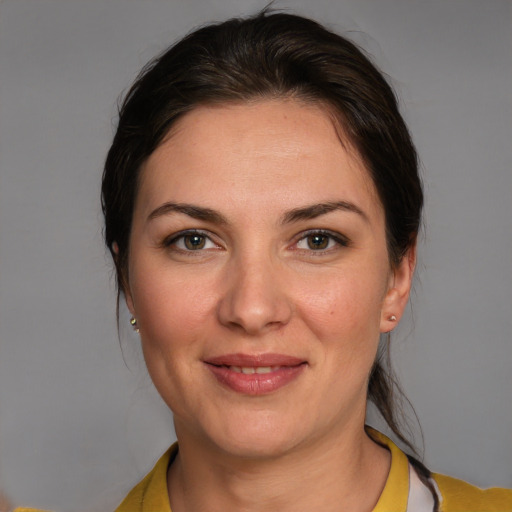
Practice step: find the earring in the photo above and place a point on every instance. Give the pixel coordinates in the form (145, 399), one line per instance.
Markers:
(133, 322)
(392, 318)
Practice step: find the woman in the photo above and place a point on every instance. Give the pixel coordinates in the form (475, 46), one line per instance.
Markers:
(262, 204)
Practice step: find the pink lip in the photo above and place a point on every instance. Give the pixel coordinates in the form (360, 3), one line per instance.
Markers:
(284, 370)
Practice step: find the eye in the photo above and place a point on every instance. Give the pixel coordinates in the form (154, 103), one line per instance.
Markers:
(321, 241)
(191, 241)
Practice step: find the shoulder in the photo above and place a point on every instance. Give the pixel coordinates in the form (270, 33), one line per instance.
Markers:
(25, 509)
(455, 495)
(150, 493)
(459, 496)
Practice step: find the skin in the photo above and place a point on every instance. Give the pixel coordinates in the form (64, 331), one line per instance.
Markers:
(256, 286)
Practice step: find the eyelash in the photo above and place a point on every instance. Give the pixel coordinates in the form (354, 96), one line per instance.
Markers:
(338, 239)
(176, 237)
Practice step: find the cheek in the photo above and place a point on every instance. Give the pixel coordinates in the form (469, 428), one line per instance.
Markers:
(173, 327)
(168, 302)
(344, 315)
(173, 315)
(345, 305)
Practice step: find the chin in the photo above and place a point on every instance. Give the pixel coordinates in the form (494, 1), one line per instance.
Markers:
(257, 438)
(252, 447)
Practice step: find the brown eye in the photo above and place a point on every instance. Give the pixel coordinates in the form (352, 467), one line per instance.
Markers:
(194, 242)
(190, 241)
(318, 242)
(321, 241)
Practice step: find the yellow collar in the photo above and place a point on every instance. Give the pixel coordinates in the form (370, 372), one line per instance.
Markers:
(151, 493)
(396, 491)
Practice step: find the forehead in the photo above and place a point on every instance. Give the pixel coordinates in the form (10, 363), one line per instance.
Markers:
(281, 151)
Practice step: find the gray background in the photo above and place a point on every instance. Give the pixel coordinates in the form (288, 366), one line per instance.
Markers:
(78, 426)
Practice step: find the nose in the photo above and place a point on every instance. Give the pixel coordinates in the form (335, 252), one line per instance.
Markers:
(254, 299)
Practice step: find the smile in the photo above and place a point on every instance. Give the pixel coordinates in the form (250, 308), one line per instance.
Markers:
(249, 370)
(255, 375)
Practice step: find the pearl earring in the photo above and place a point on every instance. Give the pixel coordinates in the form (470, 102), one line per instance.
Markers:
(392, 318)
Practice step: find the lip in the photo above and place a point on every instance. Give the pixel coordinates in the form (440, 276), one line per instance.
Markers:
(283, 370)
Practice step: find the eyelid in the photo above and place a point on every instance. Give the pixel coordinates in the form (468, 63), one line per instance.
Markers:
(340, 239)
(171, 240)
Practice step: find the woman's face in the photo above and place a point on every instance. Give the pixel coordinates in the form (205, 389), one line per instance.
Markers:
(259, 277)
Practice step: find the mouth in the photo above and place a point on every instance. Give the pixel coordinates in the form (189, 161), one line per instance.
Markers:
(249, 370)
(255, 374)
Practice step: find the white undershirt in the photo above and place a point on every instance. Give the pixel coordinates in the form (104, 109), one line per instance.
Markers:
(420, 497)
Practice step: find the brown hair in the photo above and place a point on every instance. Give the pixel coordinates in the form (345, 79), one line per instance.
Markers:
(271, 55)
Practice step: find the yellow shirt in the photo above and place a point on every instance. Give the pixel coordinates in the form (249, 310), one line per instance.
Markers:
(150, 495)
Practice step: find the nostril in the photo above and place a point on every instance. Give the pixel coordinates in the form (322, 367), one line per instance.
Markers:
(252, 319)
(253, 300)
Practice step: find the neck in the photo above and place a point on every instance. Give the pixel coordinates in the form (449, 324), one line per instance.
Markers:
(347, 474)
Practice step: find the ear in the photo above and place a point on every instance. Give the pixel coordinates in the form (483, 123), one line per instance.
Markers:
(400, 282)
(122, 280)
(128, 298)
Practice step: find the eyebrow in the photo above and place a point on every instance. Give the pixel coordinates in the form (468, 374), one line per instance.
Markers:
(316, 210)
(295, 215)
(196, 212)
